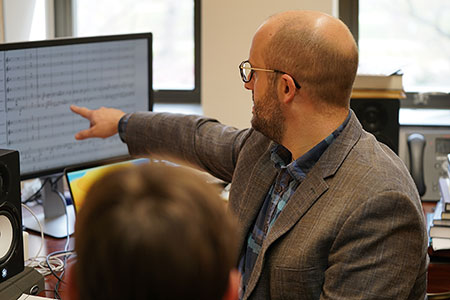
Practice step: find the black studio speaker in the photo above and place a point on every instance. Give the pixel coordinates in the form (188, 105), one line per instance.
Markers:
(11, 241)
(379, 117)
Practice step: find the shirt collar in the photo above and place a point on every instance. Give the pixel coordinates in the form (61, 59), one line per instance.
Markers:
(282, 157)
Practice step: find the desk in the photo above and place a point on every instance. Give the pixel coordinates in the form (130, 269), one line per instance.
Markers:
(438, 272)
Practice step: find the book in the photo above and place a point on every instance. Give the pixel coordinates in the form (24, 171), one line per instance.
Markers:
(444, 188)
(384, 94)
(439, 227)
(445, 215)
(393, 82)
(439, 214)
(436, 243)
(440, 244)
(439, 232)
(441, 222)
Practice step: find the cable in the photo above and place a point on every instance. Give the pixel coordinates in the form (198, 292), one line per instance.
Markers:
(37, 262)
(40, 229)
(56, 264)
(64, 253)
(35, 196)
(63, 200)
(51, 264)
(59, 267)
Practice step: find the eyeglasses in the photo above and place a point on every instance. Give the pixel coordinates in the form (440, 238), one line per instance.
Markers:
(247, 70)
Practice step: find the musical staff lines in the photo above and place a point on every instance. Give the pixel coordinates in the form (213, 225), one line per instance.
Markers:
(37, 86)
(96, 95)
(38, 157)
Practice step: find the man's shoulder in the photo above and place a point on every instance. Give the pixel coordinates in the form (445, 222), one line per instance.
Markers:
(371, 151)
(378, 164)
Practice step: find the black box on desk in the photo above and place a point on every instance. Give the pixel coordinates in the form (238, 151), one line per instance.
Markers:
(379, 116)
(29, 281)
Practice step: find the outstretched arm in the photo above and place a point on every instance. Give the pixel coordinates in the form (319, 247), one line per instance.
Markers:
(103, 121)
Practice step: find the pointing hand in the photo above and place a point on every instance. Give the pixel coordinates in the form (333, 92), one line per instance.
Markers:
(104, 121)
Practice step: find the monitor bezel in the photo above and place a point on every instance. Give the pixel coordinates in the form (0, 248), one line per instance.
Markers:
(85, 40)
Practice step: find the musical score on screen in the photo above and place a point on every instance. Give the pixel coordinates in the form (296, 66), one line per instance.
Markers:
(38, 85)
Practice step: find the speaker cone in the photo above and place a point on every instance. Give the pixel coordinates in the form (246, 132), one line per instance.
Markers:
(11, 244)
(9, 228)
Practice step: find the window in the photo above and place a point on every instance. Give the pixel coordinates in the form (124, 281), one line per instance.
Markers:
(175, 25)
(411, 35)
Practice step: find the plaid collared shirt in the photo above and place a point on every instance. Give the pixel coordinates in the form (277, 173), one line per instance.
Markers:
(289, 177)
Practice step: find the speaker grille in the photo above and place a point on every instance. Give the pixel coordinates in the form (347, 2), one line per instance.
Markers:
(379, 117)
(11, 245)
(9, 228)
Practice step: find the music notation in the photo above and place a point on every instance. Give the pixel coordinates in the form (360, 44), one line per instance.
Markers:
(39, 84)
(50, 53)
(22, 65)
(66, 102)
(38, 156)
(75, 89)
(33, 119)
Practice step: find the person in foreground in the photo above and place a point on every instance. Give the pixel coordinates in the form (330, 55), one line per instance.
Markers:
(325, 211)
(154, 232)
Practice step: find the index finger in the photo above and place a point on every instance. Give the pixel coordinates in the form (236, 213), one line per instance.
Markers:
(82, 111)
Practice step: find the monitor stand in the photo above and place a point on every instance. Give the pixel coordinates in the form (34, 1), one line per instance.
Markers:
(53, 215)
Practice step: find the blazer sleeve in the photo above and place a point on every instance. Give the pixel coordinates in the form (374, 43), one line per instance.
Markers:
(379, 253)
(201, 141)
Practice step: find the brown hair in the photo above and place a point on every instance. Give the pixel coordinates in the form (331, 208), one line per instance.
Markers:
(322, 68)
(153, 232)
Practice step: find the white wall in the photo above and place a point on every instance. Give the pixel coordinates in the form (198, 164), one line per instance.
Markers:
(227, 31)
(28, 20)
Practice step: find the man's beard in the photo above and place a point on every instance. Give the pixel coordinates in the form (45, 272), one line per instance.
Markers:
(268, 117)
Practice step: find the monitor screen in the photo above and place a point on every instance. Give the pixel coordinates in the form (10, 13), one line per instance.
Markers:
(40, 80)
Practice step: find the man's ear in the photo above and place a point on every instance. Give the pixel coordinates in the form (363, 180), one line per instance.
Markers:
(287, 88)
(71, 285)
(234, 280)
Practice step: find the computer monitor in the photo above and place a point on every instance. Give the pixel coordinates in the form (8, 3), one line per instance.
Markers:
(40, 80)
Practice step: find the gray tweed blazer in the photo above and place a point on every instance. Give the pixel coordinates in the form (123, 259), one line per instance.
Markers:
(354, 229)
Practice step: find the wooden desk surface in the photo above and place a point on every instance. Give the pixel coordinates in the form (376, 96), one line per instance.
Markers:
(438, 270)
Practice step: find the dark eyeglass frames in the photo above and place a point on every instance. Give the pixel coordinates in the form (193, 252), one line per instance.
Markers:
(247, 70)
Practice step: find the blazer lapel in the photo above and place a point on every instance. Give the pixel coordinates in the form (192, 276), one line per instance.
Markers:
(305, 196)
(252, 194)
(308, 192)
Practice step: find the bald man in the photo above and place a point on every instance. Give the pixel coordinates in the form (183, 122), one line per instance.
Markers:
(325, 211)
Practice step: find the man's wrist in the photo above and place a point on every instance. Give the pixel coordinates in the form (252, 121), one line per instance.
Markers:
(122, 127)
